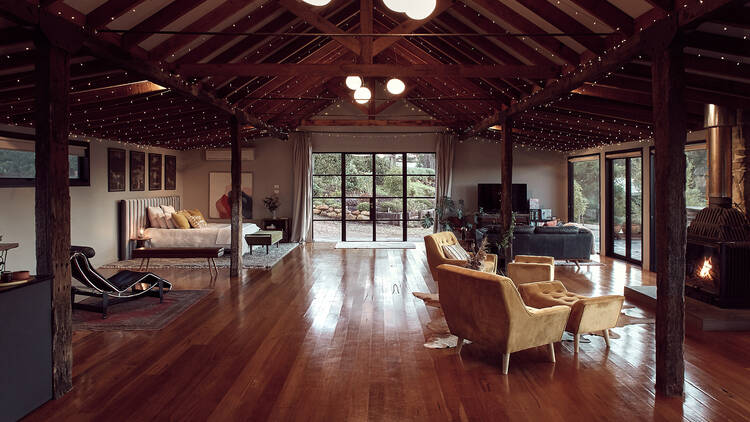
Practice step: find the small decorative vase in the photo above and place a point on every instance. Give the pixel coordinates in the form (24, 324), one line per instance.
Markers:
(273, 214)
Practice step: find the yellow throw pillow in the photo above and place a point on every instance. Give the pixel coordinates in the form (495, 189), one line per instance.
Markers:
(197, 222)
(180, 220)
(196, 212)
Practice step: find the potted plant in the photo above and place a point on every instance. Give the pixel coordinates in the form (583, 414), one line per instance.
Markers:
(272, 204)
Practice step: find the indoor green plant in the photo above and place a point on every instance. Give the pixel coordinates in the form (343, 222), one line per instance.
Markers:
(272, 204)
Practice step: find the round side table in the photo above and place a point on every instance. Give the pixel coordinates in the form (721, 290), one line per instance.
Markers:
(142, 242)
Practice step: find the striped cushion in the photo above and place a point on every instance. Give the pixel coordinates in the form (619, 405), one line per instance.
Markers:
(455, 252)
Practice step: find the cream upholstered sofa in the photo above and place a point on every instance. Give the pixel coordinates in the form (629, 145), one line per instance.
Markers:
(529, 268)
(435, 256)
(487, 309)
(588, 314)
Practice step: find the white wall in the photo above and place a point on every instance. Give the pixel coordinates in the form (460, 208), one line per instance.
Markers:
(93, 210)
(543, 171)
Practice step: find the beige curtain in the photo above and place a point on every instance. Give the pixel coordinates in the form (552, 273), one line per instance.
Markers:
(302, 169)
(444, 157)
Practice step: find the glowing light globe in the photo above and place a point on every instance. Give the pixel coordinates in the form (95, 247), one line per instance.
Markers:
(397, 5)
(317, 2)
(353, 82)
(362, 95)
(395, 86)
(420, 9)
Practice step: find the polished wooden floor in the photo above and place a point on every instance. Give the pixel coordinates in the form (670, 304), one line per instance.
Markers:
(335, 335)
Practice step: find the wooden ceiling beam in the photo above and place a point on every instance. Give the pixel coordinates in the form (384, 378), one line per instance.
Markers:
(158, 21)
(565, 23)
(408, 26)
(516, 20)
(59, 27)
(305, 12)
(376, 123)
(718, 43)
(609, 14)
(366, 27)
(109, 11)
(367, 70)
(650, 38)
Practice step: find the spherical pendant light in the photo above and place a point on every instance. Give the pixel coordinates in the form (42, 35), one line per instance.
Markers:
(316, 2)
(395, 86)
(362, 95)
(353, 82)
(420, 9)
(397, 5)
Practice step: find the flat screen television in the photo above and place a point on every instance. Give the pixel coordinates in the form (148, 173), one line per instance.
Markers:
(488, 197)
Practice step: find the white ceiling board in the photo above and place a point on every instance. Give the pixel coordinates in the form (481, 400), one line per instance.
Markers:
(138, 14)
(634, 8)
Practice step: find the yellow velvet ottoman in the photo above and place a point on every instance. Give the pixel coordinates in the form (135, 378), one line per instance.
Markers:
(587, 314)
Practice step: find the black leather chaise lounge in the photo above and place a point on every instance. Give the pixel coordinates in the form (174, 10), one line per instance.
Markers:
(125, 285)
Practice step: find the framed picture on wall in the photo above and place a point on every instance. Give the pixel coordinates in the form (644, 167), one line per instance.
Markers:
(115, 169)
(137, 171)
(170, 172)
(154, 171)
(219, 194)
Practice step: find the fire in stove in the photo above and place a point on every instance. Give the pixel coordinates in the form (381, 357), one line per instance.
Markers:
(705, 271)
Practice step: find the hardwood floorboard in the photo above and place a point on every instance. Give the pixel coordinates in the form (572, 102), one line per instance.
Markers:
(335, 335)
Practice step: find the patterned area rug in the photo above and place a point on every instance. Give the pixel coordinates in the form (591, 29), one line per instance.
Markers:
(142, 314)
(375, 245)
(259, 259)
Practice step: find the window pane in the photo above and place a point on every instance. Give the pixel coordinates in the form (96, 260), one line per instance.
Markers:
(418, 208)
(358, 231)
(326, 231)
(327, 186)
(17, 164)
(415, 231)
(389, 231)
(358, 163)
(358, 209)
(636, 208)
(389, 209)
(586, 196)
(326, 163)
(619, 209)
(695, 188)
(420, 163)
(358, 186)
(422, 186)
(389, 185)
(73, 163)
(389, 164)
(326, 209)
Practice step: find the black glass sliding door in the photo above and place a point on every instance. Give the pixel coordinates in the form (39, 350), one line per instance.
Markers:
(625, 206)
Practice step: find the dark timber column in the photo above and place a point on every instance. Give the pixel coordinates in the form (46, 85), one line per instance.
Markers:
(506, 165)
(667, 73)
(236, 258)
(53, 200)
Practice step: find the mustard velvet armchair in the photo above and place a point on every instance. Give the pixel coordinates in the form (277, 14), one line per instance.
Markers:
(529, 269)
(435, 257)
(487, 309)
(587, 315)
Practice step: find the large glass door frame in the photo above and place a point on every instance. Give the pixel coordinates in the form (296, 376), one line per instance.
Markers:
(571, 179)
(374, 198)
(627, 155)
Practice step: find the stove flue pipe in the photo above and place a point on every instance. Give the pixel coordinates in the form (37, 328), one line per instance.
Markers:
(719, 122)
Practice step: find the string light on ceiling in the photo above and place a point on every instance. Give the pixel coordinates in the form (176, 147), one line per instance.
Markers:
(415, 9)
(395, 86)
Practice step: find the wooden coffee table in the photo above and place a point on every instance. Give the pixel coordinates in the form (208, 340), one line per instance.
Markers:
(145, 254)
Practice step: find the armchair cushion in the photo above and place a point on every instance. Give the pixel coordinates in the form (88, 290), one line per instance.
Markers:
(455, 252)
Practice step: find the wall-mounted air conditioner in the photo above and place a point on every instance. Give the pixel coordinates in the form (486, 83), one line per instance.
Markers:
(248, 154)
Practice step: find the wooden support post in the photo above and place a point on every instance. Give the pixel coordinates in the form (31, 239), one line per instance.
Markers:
(670, 134)
(506, 165)
(741, 162)
(236, 256)
(53, 200)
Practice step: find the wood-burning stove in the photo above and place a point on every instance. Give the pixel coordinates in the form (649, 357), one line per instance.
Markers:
(717, 261)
